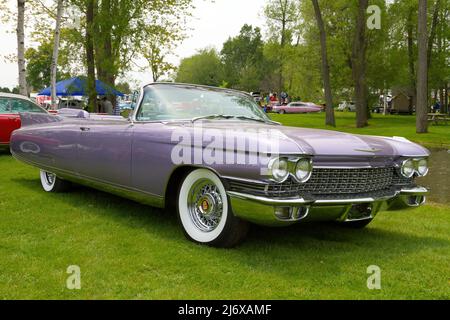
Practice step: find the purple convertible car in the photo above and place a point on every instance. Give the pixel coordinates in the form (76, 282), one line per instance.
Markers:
(216, 159)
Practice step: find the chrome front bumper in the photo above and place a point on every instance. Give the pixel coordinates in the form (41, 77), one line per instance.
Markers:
(282, 212)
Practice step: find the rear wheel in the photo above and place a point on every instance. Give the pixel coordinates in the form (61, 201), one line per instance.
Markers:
(205, 213)
(51, 183)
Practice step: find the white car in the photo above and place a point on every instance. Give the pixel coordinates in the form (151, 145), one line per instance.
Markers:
(347, 106)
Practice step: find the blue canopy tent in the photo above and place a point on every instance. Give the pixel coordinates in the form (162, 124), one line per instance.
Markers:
(78, 87)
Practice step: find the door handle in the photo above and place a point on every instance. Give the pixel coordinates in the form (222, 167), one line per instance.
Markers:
(85, 129)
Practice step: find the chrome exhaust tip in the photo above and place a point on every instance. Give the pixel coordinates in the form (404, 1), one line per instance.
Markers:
(291, 214)
(415, 201)
(361, 211)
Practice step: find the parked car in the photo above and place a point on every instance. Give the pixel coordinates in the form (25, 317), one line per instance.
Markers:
(379, 108)
(10, 107)
(256, 96)
(167, 157)
(71, 104)
(297, 107)
(347, 106)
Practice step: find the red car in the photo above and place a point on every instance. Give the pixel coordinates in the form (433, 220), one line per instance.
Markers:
(10, 107)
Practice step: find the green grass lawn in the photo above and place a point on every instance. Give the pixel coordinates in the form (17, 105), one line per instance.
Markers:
(127, 250)
(379, 125)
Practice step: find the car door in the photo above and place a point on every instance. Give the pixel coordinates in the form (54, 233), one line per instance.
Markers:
(8, 121)
(104, 151)
(9, 115)
(151, 163)
(296, 108)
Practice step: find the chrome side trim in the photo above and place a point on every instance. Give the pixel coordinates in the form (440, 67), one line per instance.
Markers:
(415, 191)
(120, 190)
(271, 201)
(244, 180)
(354, 201)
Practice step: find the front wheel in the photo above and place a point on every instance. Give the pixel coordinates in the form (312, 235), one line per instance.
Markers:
(282, 112)
(205, 213)
(51, 183)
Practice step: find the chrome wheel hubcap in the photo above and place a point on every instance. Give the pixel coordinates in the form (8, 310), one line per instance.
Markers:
(205, 205)
(50, 178)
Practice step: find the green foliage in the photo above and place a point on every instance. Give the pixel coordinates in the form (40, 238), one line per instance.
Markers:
(243, 59)
(38, 65)
(124, 87)
(203, 68)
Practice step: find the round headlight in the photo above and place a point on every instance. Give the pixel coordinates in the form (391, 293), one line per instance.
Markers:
(303, 170)
(422, 167)
(408, 168)
(279, 169)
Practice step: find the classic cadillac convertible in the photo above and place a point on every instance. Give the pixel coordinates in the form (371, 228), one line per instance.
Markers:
(213, 156)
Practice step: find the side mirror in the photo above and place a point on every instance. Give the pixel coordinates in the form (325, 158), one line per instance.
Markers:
(135, 97)
(126, 114)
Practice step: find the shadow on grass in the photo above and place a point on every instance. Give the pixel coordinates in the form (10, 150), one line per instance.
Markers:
(5, 153)
(316, 240)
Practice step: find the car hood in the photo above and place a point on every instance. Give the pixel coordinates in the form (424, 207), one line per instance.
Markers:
(294, 140)
(334, 143)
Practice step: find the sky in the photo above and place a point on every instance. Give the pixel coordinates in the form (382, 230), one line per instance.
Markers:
(212, 24)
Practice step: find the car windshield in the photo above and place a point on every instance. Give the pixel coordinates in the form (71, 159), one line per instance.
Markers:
(13, 105)
(166, 102)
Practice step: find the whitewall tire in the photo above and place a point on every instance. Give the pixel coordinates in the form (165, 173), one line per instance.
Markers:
(51, 183)
(205, 213)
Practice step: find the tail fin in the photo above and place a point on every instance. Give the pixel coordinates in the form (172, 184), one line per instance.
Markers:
(29, 119)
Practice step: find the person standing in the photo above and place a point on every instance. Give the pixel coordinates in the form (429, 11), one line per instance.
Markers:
(107, 106)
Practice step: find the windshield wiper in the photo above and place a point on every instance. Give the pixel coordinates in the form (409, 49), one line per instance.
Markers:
(212, 116)
(222, 116)
(255, 119)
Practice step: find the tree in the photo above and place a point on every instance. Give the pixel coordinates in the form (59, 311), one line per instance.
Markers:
(358, 63)
(21, 47)
(325, 67)
(54, 64)
(422, 71)
(120, 40)
(282, 15)
(90, 58)
(124, 87)
(243, 59)
(203, 68)
(160, 42)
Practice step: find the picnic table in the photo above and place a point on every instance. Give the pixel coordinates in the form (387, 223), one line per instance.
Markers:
(437, 118)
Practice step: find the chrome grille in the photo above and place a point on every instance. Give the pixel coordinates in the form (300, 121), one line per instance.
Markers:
(330, 181)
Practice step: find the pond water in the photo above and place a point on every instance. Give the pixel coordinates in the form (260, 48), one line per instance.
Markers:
(438, 179)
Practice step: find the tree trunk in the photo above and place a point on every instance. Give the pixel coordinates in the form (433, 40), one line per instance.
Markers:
(90, 59)
(282, 42)
(54, 64)
(422, 71)
(23, 89)
(105, 62)
(330, 120)
(446, 109)
(411, 57)
(433, 32)
(359, 66)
